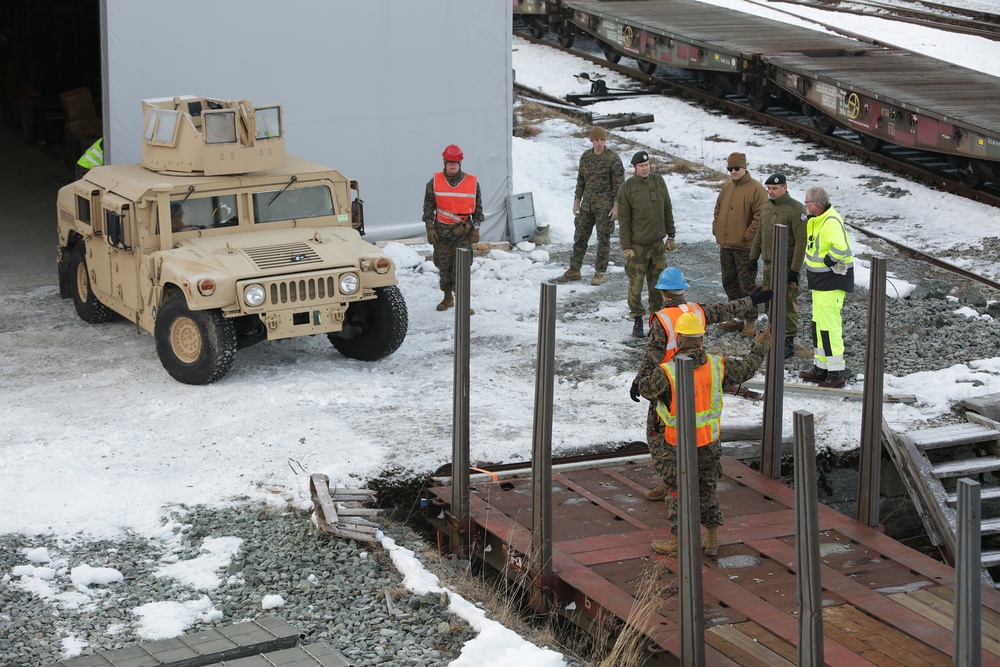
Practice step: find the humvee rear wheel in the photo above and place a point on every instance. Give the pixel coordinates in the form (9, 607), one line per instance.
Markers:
(373, 329)
(87, 306)
(194, 346)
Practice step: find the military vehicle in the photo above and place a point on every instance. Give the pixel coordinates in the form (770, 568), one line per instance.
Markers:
(218, 240)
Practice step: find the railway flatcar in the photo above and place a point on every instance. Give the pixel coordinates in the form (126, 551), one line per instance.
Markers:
(885, 95)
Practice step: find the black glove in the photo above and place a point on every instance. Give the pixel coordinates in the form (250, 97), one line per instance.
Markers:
(633, 393)
(829, 261)
(752, 267)
(759, 296)
(793, 277)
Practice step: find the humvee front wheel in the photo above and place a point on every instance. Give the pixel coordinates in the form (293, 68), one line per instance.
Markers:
(373, 329)
(87, 306)
(194, 346)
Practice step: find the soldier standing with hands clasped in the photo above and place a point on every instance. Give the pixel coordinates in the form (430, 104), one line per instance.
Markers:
(781, 209)
(645, 217)
(453, 211)
(597, 183)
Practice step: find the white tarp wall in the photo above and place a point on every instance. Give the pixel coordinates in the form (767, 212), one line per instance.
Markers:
(374, 89)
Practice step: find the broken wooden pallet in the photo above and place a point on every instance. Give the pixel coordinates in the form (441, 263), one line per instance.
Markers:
(335, 517)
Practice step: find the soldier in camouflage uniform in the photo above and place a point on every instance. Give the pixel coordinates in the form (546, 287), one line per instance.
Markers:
(781, 209)
(658, 387)
(645, 219)
(662, 345)
(451, 219)
(597, 183)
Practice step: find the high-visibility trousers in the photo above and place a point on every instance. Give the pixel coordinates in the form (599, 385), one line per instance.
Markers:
(828, 329)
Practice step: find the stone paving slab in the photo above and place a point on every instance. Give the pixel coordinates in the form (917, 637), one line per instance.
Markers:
(313, 655)
(200, 649)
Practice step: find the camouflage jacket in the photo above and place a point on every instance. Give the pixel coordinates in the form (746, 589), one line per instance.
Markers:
(430, 201)
(782, 211)
(656, 385)
(644, 211)
(656, 344)
(598, 180)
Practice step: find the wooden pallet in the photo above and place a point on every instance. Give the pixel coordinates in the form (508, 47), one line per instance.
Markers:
(337, 512)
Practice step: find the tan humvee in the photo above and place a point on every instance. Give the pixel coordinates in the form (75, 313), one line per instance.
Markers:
(217, 241)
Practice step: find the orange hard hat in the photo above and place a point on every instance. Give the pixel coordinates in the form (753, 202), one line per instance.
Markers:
(452, 153)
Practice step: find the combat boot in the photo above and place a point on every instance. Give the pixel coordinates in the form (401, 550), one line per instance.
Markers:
(834, 380)
(712, 541)
(571, 274)
(789, 347)
(659, 493)
(749, 328)
(815, 374)
(598, 279)
(732, 325)
(447, 302)
(637, 331)
(666, 547)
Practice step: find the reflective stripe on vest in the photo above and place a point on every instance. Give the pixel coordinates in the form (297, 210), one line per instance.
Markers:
(707, 402)
(94, 157)
(454, 204)
(820, 245)
(668, 318)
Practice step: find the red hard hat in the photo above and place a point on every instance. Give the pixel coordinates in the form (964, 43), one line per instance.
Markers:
(452, 153)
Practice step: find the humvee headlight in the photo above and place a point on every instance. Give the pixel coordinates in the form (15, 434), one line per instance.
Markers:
(253, 295)
(349, 283)
(382, 265)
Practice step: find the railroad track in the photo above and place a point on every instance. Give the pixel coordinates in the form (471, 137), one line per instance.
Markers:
(934, 15)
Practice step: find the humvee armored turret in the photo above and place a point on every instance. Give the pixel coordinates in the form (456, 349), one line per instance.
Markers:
(218, 240)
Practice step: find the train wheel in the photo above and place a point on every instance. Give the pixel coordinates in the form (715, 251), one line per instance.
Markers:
(537, 27)
(611, 56)
(966, 175)
(873, 144)
(759, 100)
(566, 36)
(646, 67)
(823, 124)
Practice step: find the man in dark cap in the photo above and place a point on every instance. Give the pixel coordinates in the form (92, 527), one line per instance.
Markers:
(597, 183)
(781, 209)
(646, 222)
(737, 213)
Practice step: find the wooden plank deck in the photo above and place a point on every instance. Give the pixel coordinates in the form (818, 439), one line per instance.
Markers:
(884, 603)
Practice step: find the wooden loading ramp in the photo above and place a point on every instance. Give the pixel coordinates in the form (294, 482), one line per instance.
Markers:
(884, 603)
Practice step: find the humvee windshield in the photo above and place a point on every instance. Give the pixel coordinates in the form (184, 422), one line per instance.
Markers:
(292, 203)
(203, 213)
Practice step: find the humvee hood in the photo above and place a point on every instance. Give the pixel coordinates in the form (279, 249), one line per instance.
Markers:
(277, 251)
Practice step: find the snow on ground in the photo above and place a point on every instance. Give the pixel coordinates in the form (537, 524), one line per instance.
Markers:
(98, 439)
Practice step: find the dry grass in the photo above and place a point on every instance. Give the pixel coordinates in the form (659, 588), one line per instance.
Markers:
(629, 649)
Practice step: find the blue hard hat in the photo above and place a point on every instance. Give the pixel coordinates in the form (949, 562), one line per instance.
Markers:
(672, 279)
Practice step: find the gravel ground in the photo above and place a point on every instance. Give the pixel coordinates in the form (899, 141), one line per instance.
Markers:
(349, 595)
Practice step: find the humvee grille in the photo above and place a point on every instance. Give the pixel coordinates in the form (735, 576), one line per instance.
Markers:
(285, 254)
(301, 290)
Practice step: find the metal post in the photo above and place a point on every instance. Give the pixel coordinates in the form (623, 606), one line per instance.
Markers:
(809, 590)
(968, 565)
(774, 384)
(460, 406)
(540, 557)
(870, 472)
(692, 613)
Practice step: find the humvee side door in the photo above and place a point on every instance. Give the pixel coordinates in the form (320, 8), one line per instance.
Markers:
(118, 255)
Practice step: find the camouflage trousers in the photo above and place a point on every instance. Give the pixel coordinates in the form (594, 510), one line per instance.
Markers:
(444, 253)
(709, 472)
(736, 280)
(646, 266)
(585, 222)
(791, 304)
